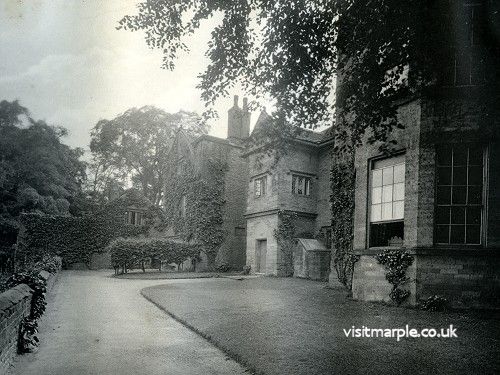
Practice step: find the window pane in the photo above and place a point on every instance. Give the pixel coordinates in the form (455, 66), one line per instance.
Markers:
(474, 215)
(398, 210)
(444, 176)
(387, 193)
(294, 184)
(376, 212)
(458, 215)
(442, 215)
(300, 188)
(257, 187)
(459, 175)
(444, 195)
(475, 176)
(387, 176)
(399, 192)
(473, 234)
(308, 186)
(386, 211)
(442, 234)
(399, 173)
(377, 178)
(459, 156)
(457, 235)
(444, 155)
(475, 155)
(475, 194)
(459, 193)
(376, 195)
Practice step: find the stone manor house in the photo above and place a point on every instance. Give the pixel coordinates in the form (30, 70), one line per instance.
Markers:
(437, 196)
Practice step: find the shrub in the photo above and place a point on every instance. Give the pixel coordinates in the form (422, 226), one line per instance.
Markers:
(396, 263)
(223, 267)
(434, 303)
(246, 270)
(129, 253)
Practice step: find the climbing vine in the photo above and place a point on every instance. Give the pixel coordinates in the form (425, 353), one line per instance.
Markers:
(342, 182)
(194, 203)
(396, 262)
(75, 239)
(285, 234)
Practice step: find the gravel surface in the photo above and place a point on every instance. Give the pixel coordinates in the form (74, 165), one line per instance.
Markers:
(292, 326)
(96, 324)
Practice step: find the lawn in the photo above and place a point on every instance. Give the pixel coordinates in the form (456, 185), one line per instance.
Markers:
(292, 326)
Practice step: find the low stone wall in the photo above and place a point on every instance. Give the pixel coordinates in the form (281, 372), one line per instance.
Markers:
(15, 304)
(465, 279)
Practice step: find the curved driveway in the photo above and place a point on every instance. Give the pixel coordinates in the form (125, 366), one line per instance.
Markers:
(95, 324)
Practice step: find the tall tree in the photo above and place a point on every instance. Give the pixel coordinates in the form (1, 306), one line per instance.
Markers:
(137, 145)
(289, 49)
(37, 171)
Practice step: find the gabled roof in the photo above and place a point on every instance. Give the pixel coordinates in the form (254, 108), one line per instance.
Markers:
(302, 134)
(311, 244)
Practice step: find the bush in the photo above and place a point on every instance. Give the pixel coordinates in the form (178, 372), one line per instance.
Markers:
(434, 303)
(223, 267)
(246, 270)
(130, 253)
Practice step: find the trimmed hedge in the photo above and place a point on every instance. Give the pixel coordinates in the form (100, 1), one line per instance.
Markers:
(75, 239)
(129, 253)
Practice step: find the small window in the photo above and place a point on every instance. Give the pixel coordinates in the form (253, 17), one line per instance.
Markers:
(260, 186)
(182, 207)
(459, 194)
(301, 185)
(387, 198)
(134, 218)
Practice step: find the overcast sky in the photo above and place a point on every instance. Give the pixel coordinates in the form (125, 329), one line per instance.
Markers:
(66, 62)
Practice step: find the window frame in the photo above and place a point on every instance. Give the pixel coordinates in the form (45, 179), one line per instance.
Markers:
(370, 165)
(484, 205)
(262, 187)
(307, 184)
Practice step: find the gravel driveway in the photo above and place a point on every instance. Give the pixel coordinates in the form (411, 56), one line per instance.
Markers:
(95, 324)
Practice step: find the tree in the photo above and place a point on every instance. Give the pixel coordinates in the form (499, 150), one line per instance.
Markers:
(37, 172)
(291, 50)
(137, 145)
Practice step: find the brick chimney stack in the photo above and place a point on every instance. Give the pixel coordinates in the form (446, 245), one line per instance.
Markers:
(238, 124)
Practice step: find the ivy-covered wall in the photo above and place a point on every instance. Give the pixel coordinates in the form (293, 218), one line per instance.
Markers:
(204, 201)
(75, 239)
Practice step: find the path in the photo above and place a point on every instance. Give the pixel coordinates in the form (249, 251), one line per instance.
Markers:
(95, 324)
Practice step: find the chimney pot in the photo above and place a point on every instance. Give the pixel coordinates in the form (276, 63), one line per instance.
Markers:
(236, 100)
(245, 104)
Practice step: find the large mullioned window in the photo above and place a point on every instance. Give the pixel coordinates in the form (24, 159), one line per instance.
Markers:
(459, 195)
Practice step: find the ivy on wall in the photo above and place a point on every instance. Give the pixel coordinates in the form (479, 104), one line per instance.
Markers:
(201, 219)
(342, 182)
(285, 234)
(75, 239)
(396, 262)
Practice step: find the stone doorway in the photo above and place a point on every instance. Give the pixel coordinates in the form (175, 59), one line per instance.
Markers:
(261, 256)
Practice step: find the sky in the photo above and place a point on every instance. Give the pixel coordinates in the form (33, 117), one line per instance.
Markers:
(66, 62)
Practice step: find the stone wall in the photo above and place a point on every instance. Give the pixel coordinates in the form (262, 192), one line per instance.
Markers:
(466, 275)
(262, 228)
(15, 305)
